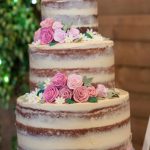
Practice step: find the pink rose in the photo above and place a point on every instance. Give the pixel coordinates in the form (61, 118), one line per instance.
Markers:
(50, 94)
(92, 91)
(74, 81)
(47, 23)
(57, 25)
(59, 80)
(81, 94)
(74, 32)
(59, 35)
(101, 90)
(46, 35)
(66, 93)
(37, 35)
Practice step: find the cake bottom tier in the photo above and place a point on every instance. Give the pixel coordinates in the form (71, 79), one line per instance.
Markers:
(84, 126)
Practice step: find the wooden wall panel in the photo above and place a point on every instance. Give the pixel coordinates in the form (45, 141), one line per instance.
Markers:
(134, 74)
(119, 27)
(133, 79)
(134, 54)
(137, 33)
(127, 22)
(140, 105)
(109, 7)
(139, 127)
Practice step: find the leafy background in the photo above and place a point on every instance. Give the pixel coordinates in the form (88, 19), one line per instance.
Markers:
(19, 19)
(18, 22)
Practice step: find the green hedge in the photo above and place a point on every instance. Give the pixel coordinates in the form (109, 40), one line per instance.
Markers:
(18, 21)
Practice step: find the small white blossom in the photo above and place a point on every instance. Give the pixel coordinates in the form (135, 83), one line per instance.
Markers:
(69, 39)
(98, 37)
(32, 98)
(60, 100)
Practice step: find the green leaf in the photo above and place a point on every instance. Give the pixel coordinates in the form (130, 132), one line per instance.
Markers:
(67, 26)
(112, 94)
(39, 92)
(88, 35)
(53, 43)
(92, 100)
(87, 81)
(70, 101)
(41, 85)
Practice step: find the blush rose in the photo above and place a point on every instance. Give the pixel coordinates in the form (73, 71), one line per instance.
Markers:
(59, 35)
(57, 25)
(74, 81)
(92, 91)
(66, 93)
(37, 35)
(74, 33)
(47, 23)
(81, 94)
(101, 90)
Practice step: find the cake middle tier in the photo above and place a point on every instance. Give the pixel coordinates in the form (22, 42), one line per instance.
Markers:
(89, 58)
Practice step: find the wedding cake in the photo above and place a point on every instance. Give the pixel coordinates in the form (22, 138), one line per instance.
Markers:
(73, 103)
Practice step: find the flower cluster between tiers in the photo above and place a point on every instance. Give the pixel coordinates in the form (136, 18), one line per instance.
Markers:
(69, 89)
(52, 32)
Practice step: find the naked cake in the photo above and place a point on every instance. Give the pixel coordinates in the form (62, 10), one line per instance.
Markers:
(73, 103)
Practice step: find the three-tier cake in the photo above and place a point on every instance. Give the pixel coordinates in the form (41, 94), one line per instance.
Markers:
(73, 103)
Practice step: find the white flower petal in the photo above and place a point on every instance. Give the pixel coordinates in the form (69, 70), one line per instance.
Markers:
(32, 97)
(60, 100)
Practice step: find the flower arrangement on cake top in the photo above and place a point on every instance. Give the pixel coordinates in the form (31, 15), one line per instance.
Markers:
(52, 32)
(69, 89)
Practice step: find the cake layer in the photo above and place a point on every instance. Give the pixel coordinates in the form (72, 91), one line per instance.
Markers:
(92, 140)
(80, 13)
(91, 58)
(121, 147)
(76, 126)
(71, 120)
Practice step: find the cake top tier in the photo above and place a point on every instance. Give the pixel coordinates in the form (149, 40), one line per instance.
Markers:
(81, 13)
